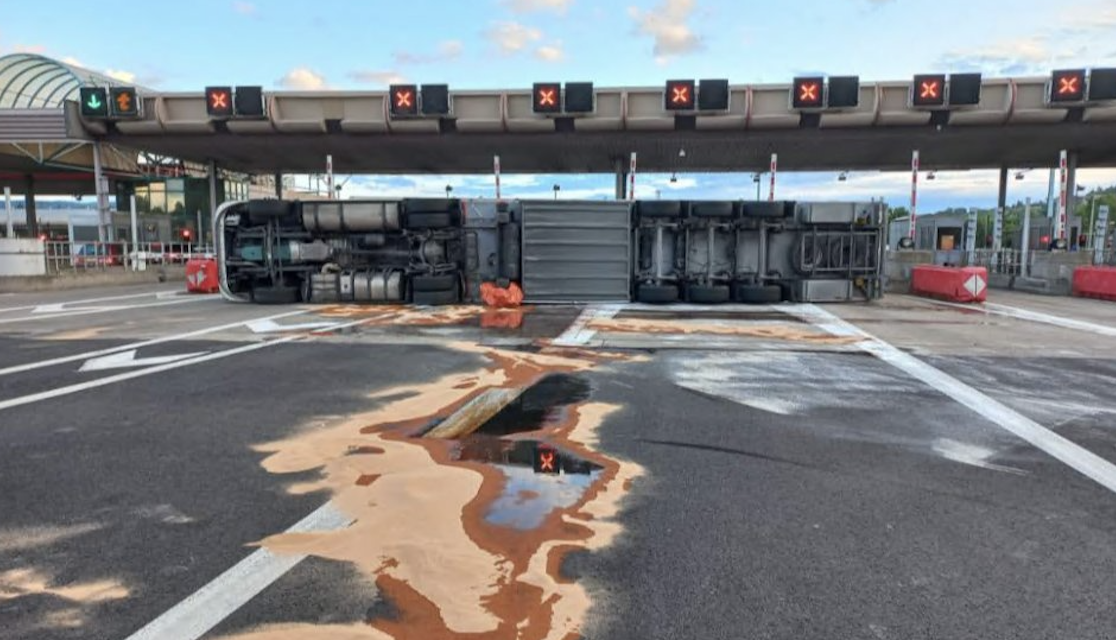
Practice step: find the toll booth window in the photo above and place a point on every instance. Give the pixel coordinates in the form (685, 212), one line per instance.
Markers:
(143, 199)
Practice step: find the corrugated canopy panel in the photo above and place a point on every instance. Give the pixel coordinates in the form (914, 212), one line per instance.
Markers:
(30, 81)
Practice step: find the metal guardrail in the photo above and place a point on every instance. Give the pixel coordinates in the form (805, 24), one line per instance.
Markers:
(76, 257)
(1002, 261)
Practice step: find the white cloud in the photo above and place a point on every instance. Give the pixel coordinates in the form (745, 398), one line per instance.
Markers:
(244, 8)
(302, 79)
(123, 76)
(70, 60)
(1094, 17)
(667, 25)
(447, 50)
(528, 6)
(1034, 54)
(377, 77)
(512, 37)
(550, 53)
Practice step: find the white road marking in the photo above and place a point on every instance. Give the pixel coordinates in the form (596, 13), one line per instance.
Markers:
(120, 377)
(1036, 316)
(1075, 456)
(207, 607)
(579, 334)
(137, 345)
(82, 312)
(86, 301)
(127, 359)
(268, 325)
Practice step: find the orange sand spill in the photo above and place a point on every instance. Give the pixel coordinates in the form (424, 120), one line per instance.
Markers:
(23, 538)
(419, 527)
(17, 583)
(87, 333)
(770, 331)
(385, 315)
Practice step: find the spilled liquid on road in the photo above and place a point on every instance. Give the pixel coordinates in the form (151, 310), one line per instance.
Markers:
(781, 331)
(461, 536)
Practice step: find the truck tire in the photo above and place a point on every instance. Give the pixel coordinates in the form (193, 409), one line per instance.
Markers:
(434, 298)
(430, 205)
(656, 293)
(759, 293)
(764, 210)
(268, 208)
(659, 208)
(428, 220)
(426, 284)
(275, 295)
(712, 209)
(708, 294)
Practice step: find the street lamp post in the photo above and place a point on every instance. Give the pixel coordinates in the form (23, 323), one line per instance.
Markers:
(557, 188)
(756, 179)
(449, 190)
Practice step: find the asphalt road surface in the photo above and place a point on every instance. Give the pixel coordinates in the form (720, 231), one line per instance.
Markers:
(903, 469)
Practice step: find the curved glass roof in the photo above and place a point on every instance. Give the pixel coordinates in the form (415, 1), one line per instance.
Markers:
(30, 81)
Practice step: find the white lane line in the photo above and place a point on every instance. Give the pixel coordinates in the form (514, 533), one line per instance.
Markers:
(120, 377)
(1035, 316)
(138, 345)
(579, 334)
(86, 301)
(204, 609)
(1075, 456)
(83, 312)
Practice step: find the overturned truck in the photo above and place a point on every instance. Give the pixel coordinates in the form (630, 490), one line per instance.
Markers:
(429, 251)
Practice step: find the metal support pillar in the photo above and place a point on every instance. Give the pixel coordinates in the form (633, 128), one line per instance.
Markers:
(279, 185)
(1001, 202)
(1001, 209)
(105, 228)
(212, 174)
(1071, 198)
(29, 207)
(621, 179)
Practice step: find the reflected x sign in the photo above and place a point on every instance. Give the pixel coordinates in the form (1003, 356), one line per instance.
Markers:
(546, 460)
(404, 99)
(218, 101)
(928, 90)
(548, 97)
(808, 93)
(680, 95)
(1067, 86)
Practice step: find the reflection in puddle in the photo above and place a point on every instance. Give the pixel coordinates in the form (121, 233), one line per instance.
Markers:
(539, 406)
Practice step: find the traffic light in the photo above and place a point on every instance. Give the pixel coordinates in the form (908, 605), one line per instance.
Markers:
(219, 102)
(435, 100)
(123, 102)
(928, 90)
(808, 93)
(546, 459)
(1102, 84)
(186, 233)
(94, 102)
(579, 97)
(547, 97)
(679, 95)
(844, 92)
(404, 99)
(964, 89)
(248, 102)
(713, 95)
(1067, 85)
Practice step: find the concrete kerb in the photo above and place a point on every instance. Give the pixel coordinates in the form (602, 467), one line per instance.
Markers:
(79, 280)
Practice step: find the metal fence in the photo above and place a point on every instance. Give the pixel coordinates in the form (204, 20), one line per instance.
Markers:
(1010, 261)
(66, 257)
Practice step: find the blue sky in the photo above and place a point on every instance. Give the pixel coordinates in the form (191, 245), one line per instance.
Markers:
(479, 44)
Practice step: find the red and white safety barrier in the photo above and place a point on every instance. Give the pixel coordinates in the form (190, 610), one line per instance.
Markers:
(956, 284)
(1095, 282)
(774, 170)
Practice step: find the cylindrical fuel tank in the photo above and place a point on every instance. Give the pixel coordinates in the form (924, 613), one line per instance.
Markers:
(350, 216)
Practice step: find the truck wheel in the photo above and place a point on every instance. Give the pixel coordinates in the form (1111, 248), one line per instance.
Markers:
(275, 295)
(425, 284)
(425, 220)
(764, 210)
(759, 294)
(702, 294)
(659, 208)
(434, 298)
(712, 209)
(656, 293)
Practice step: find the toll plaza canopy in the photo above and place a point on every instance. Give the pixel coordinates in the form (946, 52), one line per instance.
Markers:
(29, 81)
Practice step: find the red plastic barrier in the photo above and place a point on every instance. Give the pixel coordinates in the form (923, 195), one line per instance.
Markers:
(1095, 282)
(201, 275)
(956, 284)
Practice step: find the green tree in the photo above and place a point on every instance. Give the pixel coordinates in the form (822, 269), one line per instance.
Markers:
(897, 212)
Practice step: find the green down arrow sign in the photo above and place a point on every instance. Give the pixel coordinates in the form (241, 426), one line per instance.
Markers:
(94, 102)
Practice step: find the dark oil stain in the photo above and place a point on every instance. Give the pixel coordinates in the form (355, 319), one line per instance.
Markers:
(538, 406)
